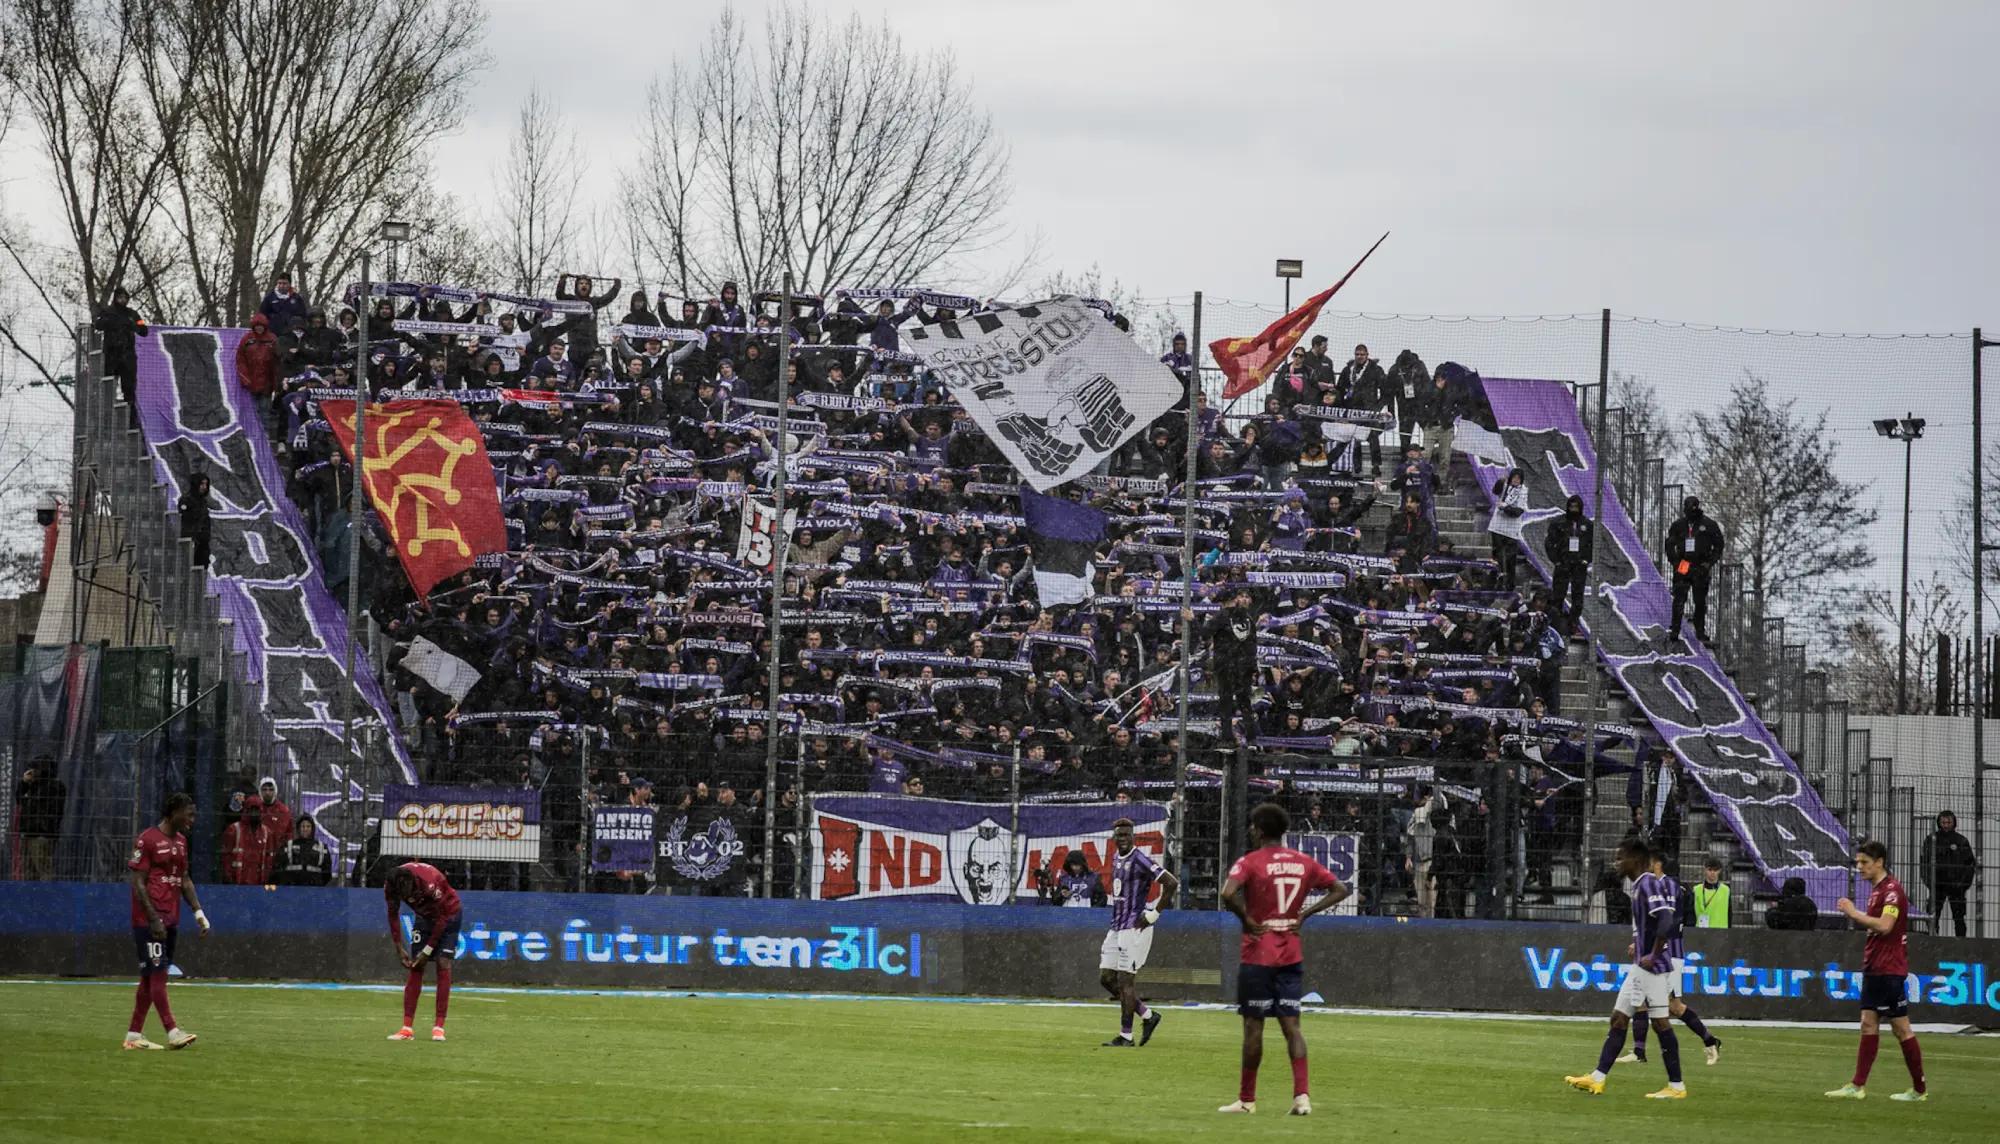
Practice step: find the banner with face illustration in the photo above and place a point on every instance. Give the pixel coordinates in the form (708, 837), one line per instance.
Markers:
(1053, 384)
(890, 846)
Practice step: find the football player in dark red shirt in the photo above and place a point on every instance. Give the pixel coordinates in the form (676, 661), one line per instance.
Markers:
(1885, 967)
(422, 887)
(1267, 890)
(159, 881)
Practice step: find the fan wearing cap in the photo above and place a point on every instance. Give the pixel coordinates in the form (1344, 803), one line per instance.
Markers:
(247, 847)
(1692, 546)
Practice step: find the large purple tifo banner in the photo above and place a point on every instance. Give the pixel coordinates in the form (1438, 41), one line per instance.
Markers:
(264, 566)
(1721, 743)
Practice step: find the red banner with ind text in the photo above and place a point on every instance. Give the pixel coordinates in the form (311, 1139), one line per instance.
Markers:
(429, 478)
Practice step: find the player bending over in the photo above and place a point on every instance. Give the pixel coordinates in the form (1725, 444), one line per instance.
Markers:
(1678, 1010)
(423, 888)
(1267, 890)
(159, 881)
(1130, 938)
(1656, 943)
(1885, 965)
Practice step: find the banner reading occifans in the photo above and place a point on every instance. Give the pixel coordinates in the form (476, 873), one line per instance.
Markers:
(486, 824)
(889, 846)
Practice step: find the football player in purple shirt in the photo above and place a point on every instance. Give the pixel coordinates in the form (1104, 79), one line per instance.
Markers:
(1648, 985)
(1134, 873)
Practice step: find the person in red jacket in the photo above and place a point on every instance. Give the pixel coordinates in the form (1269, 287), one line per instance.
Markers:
(277, 816)
(257, 366)
(246, 847)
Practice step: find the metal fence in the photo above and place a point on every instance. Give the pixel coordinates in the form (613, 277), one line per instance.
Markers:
(1504, 840)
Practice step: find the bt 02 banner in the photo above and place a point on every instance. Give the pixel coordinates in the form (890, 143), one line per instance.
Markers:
(621, 840)
(1338, 852)
(484, 824)
(698, 850)
(891, 846)
(1053, 384)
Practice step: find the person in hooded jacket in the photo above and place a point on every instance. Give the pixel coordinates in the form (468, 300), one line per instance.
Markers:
(1692, 546)
(304, 859)
(1949, 867)
(1569, 545)
(1793, 910)
(194, 517)
(122, 326)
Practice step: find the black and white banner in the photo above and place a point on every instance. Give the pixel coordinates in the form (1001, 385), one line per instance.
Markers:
(757, 541)
(1056, 387)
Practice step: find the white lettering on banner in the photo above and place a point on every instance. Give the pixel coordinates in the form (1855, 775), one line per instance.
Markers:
(1055, 387)
(757, 540)
(887, 846)
(460, 820)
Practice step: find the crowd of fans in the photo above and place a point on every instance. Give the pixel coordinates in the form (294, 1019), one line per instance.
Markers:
(623, 649)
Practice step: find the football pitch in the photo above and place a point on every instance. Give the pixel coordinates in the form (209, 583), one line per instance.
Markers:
(312, 1064)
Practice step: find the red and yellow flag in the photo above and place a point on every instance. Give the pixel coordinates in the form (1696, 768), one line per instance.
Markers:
(429, 478)
(1248, 362)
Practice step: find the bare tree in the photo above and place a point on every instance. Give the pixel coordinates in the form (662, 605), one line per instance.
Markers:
(75, 68)
(539, 185)
(830, 151)
(1644, 414)
(305, 121)
(1767, 473)
(1868, 672)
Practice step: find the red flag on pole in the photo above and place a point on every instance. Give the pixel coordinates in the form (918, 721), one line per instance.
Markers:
(429, 478)
(1248, 362)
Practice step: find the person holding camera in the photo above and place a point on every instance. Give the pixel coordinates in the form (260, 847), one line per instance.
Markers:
(1076, 887)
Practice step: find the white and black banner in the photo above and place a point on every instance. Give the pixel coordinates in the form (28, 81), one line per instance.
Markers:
(757, 541)
(1054, 385)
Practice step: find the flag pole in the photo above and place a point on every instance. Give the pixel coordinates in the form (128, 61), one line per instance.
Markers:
(781, 540)
(357, 504)
(1187, 571)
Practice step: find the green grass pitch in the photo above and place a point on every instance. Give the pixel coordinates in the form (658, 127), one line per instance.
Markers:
(291, 1064)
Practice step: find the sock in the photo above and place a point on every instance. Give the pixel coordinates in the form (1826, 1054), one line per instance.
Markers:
(413, 988)
(1914, 1058)
(142, 1003)
(1864, 1059)
(1299, 1087)
(1639, 1037)
(443, 991)
(1695, 1025)
(1145, 1011)
(1246, 1090)
(1670, 1054)
(1125, 1026)
(1614, 1043)
(159, 984)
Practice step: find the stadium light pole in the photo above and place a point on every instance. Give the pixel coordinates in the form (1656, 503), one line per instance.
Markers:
(356, 504)
(1288, 269)
(1908, 430)
(782, 539)
(1979, 549)
(1187, 585)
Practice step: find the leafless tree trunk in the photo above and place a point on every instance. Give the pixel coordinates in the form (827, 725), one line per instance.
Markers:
(539, 185)
(74, 68)
(832, 151)
(306, 123)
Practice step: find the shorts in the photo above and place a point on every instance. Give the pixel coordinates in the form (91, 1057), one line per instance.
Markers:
(1680, 967)
(441, 937)
(1262, 989)
(1884, 993)
(1125, 950)
(1644, 989)
(154, 955)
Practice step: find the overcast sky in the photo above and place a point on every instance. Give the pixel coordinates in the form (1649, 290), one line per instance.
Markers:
(1818, 166)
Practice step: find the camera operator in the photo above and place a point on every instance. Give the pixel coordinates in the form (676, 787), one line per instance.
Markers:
(1077, 886)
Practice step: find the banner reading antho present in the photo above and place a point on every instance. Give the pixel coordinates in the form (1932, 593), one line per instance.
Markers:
(486, 824)
(891, 846)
